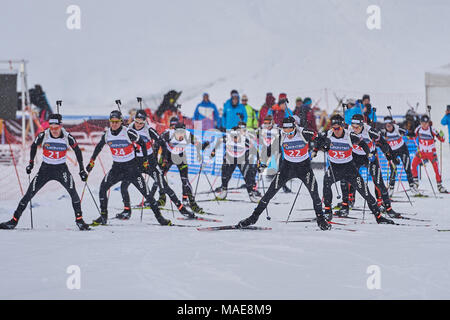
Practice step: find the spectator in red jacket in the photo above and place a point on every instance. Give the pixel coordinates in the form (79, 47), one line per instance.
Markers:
(280, 110)
(307, 117)
(270, 101)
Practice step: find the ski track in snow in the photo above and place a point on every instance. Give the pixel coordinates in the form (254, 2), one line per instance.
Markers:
(134, 260)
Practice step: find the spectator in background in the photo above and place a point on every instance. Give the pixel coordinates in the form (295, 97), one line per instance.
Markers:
(368, 111)
(233, 112)
(252, 114)
(446, 120)
(207, 113)
(280, 110)
(411, 122)
(307, 117)
(352, 109)
(298, 107)
(270, 101)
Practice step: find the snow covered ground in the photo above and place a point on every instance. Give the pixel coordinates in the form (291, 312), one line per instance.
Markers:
(134, 260)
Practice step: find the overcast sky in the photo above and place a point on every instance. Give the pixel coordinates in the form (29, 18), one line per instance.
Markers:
(130, 48)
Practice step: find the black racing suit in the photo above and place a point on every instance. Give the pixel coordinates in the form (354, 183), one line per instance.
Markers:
(244, 162)
(289, 170)
(153, 171)
(345, 171)
(403, 154)
(168, 159)
(48, 172)
(124, 171)
(374, 169)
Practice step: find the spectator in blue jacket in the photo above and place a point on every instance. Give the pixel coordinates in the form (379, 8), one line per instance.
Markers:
(368, 111)
(233, 112)
(207, 112)
(446, 120)
(352, 109)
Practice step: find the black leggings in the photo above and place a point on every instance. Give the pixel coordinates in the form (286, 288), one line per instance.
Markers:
(403, 153)
(248, 171)
(185, 184)
(377, 178)
(46, 173)
(289, 170)
(128, 172)
(348, 173)
(159, 182)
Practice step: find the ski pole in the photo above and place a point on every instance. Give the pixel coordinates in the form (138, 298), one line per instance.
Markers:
(264, 190)
(142, 203)
(171, 205)
(426, 171)
(366, 193)
(93, 199)
(440, 155)
(401, 183)
(389, 109)
(334, 179)
(198, 178)
(292, 208)
(31, 206)
(207, 179)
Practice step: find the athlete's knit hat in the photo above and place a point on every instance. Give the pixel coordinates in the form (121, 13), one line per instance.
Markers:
(115, 114)
(289, 122)
(358, 119)
(425, 118)
(141, 114)
(388, 119)
(337, 119)
(55, 118)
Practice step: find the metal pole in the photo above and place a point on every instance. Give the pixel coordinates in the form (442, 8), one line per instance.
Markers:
(22, 76)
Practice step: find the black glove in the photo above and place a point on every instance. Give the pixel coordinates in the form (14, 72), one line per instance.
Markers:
(205, 145)
(261, 167)
(372, 157)
(83, 175)
(326, 145)
(30, 167)
(396, 161)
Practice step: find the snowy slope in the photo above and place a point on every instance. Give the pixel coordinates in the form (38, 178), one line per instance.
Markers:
(301, 47)
(142, 260)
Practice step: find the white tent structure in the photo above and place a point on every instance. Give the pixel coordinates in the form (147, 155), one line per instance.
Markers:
(437, 86)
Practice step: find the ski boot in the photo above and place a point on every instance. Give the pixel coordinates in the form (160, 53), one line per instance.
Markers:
(328, 214)
(392, 214)
(185, 212)
(162, 221)
(102, 220)
(382, 220)
(162, 200)
(195, 207)
(9, 225)
(125, 214)
(323, 223)
(414, 187)
(344, 210)
(441, 188)
(83, 226)
(185, 201)
(248, 221)
(255, 196)
(221, 193)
